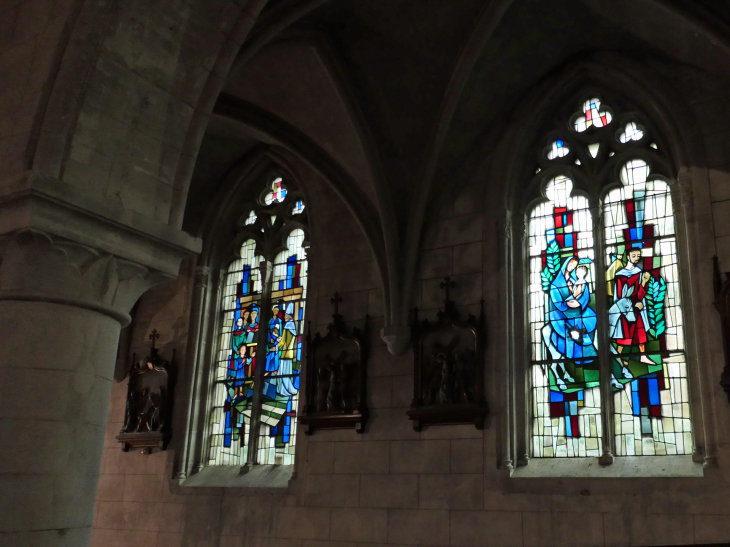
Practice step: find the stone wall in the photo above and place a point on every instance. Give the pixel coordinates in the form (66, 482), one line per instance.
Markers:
(29, 35)
(393, 485)
(706, 96)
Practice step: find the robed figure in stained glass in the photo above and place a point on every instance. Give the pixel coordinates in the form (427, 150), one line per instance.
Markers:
(630, 282)
(253, 325)
(635, 317)
(565, 371)
(570, 325)
(238, 336)
(287, 351)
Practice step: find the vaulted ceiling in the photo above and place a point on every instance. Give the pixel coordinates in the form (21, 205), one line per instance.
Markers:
(404, 96)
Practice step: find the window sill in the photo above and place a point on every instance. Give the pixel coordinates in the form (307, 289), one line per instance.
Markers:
(623, 467)
(234, 476)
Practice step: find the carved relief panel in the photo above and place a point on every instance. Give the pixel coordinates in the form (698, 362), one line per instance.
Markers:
(148, 410)
(448, 368)
(336, 377)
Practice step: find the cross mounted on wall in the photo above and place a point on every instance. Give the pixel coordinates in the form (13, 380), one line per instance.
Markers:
(336, 299)
(154, 335)
(447, 284)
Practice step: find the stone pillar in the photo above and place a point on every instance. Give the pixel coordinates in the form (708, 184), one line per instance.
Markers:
(62, 305)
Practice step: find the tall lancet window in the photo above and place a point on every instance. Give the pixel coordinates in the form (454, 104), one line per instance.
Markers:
(646, 338)
(257, 372)
(565, 369)
(608, 371)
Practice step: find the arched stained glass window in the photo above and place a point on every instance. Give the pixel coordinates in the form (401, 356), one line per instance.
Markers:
(565, 372)
(257, 372)
(619, 283)
(649, 370)
(234, 373)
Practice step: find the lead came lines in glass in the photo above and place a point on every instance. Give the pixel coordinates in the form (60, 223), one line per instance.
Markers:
(565, 376)
(648, 375)
(235, 378)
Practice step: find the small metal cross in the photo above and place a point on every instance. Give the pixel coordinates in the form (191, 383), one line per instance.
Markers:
(447, 284)
(154, 335)
(336, 299)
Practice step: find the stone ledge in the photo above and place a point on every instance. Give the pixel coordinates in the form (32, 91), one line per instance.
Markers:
(57, 208)
(623, 467)
(234, 476)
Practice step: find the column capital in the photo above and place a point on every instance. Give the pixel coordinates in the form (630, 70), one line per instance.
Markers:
(59, 245)
(61, 210)
(34, 266)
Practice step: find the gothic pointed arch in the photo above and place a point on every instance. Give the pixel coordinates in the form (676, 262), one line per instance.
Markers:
(248, 314)
(599, 204)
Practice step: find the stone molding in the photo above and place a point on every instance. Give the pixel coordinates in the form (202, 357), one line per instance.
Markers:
(397, 338)
(34, 266)
(62, 211)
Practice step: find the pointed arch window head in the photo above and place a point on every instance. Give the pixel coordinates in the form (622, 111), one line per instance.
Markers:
(593, 115)
(620, 283)
(255, 391)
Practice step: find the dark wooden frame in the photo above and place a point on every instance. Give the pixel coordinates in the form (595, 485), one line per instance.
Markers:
(722, 304)
(316, 419)
(422, 413)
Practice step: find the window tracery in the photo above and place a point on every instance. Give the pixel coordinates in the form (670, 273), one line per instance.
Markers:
(604, 298)
(255, 391)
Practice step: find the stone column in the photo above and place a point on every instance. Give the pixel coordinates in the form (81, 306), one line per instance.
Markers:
(62, 305)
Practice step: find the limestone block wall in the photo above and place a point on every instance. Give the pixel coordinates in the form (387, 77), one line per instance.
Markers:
(152, 66)
(707, 97)
(392, 485)
(395, 486)
(29, 34)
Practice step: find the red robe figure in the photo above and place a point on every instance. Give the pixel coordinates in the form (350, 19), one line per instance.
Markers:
(630, 322)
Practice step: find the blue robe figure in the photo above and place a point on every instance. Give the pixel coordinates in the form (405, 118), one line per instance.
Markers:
(570, 327)
(272, 359)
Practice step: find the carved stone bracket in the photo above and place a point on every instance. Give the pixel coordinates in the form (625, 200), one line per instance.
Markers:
(722, 303)
(336, 377)
(448, 368)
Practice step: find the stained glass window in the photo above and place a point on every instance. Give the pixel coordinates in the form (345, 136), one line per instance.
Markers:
(642, 316)
(649, 370)
(631, 133)
(593, 116)
(276, 193)
(233, 388)
(558, 149)
(284, 354)
(566, 396)
(258, 360)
